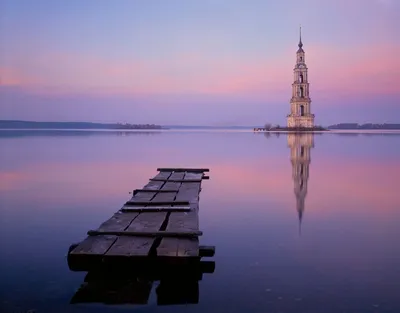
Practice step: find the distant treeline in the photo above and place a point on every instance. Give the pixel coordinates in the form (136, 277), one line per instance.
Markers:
(364, 126)
(15, 133)
(7, 124)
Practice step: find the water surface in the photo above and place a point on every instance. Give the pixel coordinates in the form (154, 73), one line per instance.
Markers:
(300, 223)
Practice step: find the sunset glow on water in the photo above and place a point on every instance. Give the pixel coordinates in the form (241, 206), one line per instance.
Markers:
(345, 256)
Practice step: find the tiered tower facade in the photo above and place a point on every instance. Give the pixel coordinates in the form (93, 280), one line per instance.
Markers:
(300, 104)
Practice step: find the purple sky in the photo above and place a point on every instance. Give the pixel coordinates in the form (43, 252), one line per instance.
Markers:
(197, 62)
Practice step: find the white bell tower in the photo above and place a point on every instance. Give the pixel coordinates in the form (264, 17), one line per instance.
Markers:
(300, 104)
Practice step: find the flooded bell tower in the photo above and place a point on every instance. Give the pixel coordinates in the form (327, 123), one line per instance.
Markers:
(300, 104)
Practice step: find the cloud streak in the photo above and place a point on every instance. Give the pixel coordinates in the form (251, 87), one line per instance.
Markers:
(360, 71)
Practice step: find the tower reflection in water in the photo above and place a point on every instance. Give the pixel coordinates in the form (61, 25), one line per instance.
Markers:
(300, 145)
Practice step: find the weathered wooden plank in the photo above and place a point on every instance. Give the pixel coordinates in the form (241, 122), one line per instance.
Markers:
(178, 247)
(141, 245)
(118, 221)
(194, 186)
(168, 247)
(181, 247)
(194, 206)
(163, 174)
(144, 196)
(143, 228)
(177, 169)
(164, 189)
(167, 198)
(148, 221)
(145, 233)
(188, 247)
(94, 245)
(154, 185)
(171, 185)
(152, 194)
(176, 175)
(183, 221)
(154, 202)
(156, 209)
(131, 246)
(189, 192)
(193, 176)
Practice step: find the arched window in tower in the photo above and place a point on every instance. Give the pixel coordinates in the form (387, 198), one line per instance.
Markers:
(301, 92)
(301, 78)
(302, 110)
(301, 169)
(302, 153)
(301, 59)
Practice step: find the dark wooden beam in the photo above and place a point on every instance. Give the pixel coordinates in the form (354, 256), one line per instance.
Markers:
(156, 203)
(177, 169)
(177, 180)
(156, 209)
(156, 191)
(146, 233)
(206, 251)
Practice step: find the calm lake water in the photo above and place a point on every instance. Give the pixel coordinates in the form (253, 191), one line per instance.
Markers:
(341, 189)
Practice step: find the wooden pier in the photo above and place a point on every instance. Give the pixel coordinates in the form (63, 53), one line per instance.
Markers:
(154, 234)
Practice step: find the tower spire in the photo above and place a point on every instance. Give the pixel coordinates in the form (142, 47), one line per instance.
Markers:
(300, 43)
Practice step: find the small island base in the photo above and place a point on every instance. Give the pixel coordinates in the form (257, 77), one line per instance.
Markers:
(291, 129)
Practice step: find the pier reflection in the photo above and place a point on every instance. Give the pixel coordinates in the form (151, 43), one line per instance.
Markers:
(173, 284)
(300, 157)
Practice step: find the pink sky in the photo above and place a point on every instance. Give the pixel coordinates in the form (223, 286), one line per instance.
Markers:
(55, 63)
(332, 69)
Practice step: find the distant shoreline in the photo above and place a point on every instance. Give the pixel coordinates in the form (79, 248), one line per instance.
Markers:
(367, 126)
(32, 125)
(15, 124)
